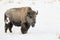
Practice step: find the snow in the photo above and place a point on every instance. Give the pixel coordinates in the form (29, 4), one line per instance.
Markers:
(47, 22)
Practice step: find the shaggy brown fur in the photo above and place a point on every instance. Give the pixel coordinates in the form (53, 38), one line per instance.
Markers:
(19, 14)
(23, 17)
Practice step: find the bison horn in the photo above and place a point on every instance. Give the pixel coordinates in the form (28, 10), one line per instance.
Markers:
(37, 13)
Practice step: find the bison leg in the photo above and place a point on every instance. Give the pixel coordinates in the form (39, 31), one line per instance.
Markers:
(25, 28)
(10, 27)
(6, 27)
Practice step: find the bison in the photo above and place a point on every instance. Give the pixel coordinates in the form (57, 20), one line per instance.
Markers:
(24, 17)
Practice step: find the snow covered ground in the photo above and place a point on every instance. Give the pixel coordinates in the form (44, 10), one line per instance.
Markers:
(48, 20)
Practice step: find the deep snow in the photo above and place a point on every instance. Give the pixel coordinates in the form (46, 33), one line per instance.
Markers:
(47, 22)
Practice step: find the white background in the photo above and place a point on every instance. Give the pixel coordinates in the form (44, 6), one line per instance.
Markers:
(47, 21)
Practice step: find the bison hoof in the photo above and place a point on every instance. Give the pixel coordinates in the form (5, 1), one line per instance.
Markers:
(10, 31)
(24, 32)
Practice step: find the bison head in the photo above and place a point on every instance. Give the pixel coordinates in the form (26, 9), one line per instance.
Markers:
(31, 17)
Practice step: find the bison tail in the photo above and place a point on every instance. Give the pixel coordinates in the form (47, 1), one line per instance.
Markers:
(6, 19)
